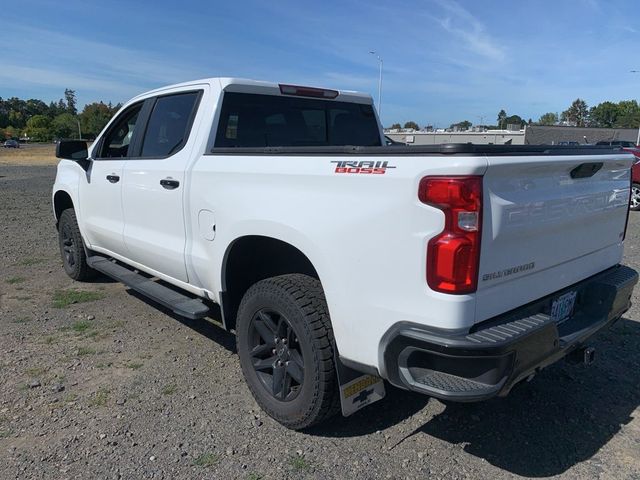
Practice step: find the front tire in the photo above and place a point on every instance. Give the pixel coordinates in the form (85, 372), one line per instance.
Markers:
(74, 258)
(286, 349)
(635, 197)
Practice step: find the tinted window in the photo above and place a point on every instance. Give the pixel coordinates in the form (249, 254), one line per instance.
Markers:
(169, 124)
(249, 120)
(117, 140)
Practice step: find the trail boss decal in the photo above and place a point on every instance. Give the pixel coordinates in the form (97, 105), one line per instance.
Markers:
(366, 166)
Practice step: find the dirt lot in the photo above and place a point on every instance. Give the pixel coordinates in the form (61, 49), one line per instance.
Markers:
(97, 383)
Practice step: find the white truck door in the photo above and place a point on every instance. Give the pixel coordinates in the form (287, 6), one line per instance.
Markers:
(153, 185)
(101, 194)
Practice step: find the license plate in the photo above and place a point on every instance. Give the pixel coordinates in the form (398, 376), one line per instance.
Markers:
(562, 307)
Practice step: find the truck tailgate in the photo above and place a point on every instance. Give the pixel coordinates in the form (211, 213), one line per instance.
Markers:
(545, 228)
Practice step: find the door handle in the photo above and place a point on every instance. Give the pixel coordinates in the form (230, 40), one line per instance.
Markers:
(113, 178)
(170, 184)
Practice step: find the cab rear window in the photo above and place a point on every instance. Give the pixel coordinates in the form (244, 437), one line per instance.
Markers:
(251, 120)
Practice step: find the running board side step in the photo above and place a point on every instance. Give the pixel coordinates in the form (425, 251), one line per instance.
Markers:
(179, 303)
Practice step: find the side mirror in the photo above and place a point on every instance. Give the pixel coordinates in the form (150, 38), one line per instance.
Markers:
(75, 150)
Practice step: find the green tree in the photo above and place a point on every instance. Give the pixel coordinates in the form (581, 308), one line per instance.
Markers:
(39, 128)
(65, 125)
(412, 124)
(10, 132)
(35, 107)
(94, 117)
(396, 126)
(502, 116)
(70, 96)
(548, 118)
(577, 113)
(464, 125)
(628, 114)
(513, 120)
(604, 114)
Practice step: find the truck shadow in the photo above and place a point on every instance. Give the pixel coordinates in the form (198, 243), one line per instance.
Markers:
(564, 417)
(543, 428)
(210, 328)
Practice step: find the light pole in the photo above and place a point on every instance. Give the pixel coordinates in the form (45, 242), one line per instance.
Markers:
(79, 131)
(379, 83)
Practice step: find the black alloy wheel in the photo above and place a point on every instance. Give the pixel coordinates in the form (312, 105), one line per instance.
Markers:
(276, 354)
(286, 350)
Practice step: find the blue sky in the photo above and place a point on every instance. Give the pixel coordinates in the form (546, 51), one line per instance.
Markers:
(444, 60)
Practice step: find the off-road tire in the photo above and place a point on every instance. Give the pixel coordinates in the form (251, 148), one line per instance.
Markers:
(300, 299)
(74, 257)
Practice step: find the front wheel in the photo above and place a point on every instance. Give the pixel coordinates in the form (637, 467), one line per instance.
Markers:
(286, 349)
(635, 197)
(74, 258)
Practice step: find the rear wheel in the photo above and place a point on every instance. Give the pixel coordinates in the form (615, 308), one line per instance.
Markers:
(285, 344)
(74, 258)
(635, 196)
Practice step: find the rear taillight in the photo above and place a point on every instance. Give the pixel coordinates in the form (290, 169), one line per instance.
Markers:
(453, 255)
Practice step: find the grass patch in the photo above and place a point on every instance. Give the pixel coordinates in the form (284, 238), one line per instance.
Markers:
(64, 298)
(135, 366)
(35, 371)
(206, 460)
(70, 397)
(49, 340)
(102, 366)
(169, 389)
(254, 476)
(22, 320)
(31, 261)
(116, 324)
(86, 351)
(5, 433)
(80, 326)
(299, 464)
(14, 280)
(33, 154)
(100, 398)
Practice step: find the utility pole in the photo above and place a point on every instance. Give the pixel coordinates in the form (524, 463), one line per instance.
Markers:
(379, 82)
(79, 131)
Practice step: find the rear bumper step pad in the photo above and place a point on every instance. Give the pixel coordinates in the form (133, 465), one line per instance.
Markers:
(498, 353)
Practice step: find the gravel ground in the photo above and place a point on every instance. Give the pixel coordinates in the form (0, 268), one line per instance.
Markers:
(115, 388)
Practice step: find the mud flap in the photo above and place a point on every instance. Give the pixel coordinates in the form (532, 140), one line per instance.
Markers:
(357, 389)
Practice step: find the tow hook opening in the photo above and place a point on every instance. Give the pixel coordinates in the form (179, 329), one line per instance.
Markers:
(583, 355)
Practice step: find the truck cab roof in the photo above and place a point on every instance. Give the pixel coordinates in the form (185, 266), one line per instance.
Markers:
(244, 85)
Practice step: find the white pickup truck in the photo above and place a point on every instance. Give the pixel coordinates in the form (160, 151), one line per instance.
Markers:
(457, 271)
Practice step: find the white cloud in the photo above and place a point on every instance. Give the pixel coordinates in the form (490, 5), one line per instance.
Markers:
(460, 23)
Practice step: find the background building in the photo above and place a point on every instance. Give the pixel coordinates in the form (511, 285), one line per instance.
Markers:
(530, 135)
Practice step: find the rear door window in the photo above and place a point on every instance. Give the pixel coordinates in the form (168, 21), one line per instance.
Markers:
(250, 120)
(169, 125)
